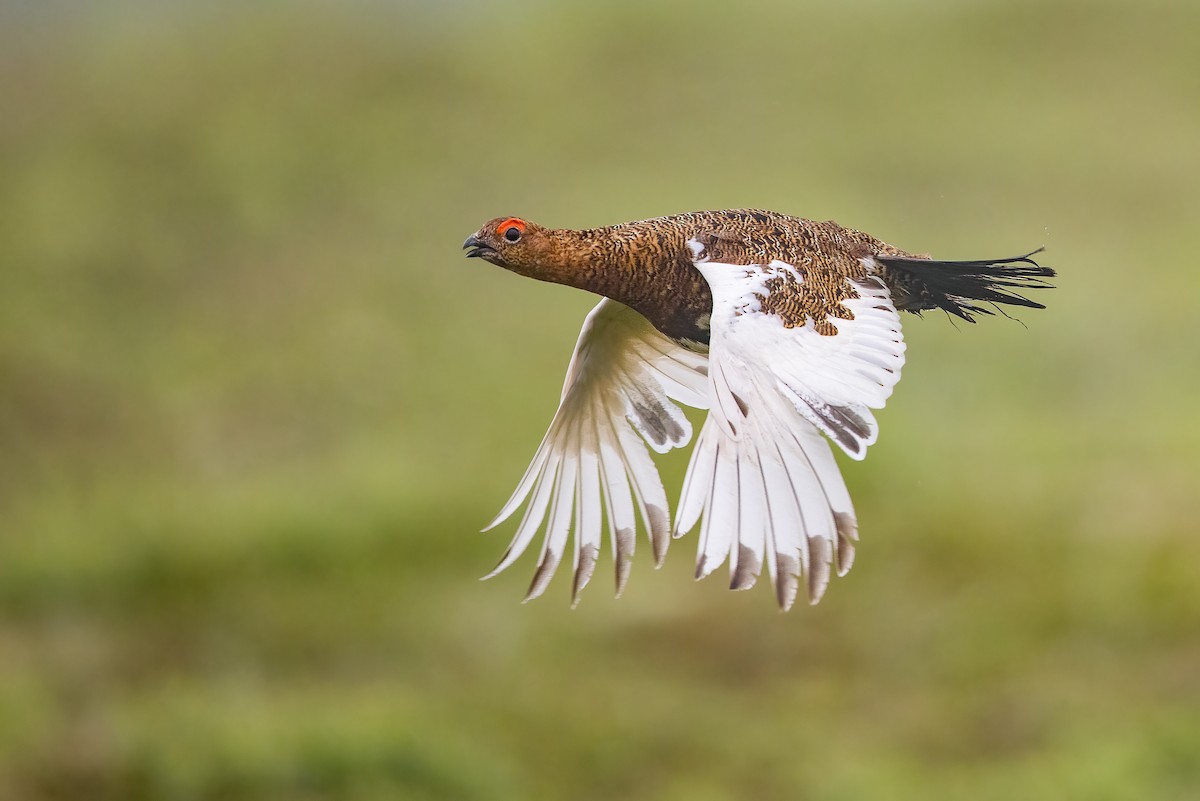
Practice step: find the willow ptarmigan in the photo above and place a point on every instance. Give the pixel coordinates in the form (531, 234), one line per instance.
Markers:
(785, 329)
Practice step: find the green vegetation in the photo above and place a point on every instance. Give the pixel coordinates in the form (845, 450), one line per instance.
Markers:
(254, 404)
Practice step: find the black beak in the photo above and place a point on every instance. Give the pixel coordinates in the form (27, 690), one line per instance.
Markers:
(476, 247)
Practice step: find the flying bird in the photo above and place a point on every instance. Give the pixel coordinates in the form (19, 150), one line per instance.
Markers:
(786, 330)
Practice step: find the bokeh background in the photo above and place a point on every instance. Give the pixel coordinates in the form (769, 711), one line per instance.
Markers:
(255, 406)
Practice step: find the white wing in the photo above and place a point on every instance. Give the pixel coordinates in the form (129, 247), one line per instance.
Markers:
(762, 477)
(622, 377)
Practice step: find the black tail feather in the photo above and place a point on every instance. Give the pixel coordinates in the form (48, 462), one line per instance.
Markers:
(957, 287)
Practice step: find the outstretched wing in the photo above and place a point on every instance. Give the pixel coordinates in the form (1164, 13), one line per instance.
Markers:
(794, 352)
(622, 377)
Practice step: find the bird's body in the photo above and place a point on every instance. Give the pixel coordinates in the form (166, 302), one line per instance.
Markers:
(783, 327)
(646, 265)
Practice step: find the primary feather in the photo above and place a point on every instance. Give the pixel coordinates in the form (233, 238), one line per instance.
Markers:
(785, 329)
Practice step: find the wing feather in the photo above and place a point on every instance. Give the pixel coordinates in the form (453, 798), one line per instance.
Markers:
(557, 529)
(590, 509)
(697, 482)
(751, 524)
(648, 491)
(535, 513)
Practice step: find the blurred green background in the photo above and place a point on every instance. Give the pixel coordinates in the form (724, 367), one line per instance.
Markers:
(255, 405)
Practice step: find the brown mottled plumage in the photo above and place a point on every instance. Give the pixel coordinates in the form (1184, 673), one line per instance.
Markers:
(801, 318)
(646, 266)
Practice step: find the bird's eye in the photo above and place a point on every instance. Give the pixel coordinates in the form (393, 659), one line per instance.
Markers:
(511, 229)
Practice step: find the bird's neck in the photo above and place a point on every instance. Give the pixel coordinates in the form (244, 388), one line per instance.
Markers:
(638, 264)
(590, 260)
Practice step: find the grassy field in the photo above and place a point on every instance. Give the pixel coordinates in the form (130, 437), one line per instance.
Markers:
(254, 404)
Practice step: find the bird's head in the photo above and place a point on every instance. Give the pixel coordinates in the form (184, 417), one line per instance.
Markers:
(509, 242)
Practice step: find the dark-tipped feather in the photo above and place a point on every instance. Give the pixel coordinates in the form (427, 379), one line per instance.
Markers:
(953, 286)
